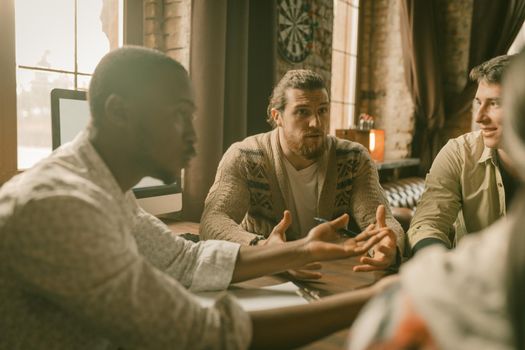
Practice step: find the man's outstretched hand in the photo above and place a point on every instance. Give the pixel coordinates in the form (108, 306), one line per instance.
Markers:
(278, 236)
(385, 251)
(323, 242)
(298, 257)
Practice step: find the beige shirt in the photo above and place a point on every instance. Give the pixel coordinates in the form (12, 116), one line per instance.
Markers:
(464, 182)
(84, 267)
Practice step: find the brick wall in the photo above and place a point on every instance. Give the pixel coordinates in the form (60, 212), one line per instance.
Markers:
(383, 91)
(167, 25)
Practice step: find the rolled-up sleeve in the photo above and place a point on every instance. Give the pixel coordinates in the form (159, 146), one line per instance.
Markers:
(440, 203)
(199, 266)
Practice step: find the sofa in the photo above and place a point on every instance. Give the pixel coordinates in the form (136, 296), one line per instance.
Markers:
(403, 196)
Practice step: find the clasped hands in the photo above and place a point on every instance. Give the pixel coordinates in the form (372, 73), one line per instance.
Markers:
(323, 242)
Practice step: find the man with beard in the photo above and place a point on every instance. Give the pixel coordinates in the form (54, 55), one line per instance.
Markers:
(299, 170)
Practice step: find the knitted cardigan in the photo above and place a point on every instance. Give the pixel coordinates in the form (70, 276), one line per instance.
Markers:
(248, 195)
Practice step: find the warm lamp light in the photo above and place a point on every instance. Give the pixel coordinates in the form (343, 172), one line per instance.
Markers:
(372, 139)
(376, 144)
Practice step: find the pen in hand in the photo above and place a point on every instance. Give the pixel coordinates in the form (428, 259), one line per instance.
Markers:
(343, 231)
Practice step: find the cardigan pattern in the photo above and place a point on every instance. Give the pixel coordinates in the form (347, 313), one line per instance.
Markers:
(248, 195)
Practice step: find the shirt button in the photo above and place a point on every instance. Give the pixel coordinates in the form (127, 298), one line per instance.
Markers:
(500, 184)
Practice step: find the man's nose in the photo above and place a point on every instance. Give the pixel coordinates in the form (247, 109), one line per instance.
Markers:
(480, 114)
(189, 133)
(315, 120)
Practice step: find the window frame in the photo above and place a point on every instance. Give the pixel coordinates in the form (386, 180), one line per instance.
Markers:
(8, 129)
(343, 81)
(133, 35)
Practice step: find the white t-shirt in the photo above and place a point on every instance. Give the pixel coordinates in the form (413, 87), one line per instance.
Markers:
(304, 185)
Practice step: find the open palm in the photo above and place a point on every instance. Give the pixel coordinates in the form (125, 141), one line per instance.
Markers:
(325, 243)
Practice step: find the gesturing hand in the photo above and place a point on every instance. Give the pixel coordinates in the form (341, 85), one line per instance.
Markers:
(278, 236)
(324, 243)
(385, 251)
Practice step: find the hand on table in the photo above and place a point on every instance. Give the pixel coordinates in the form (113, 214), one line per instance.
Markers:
(385, 251)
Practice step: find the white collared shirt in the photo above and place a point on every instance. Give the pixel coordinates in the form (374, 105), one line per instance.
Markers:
(84, 267)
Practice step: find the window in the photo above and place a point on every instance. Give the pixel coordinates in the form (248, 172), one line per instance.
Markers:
(58, 47)
(344, 64)
(58, 44)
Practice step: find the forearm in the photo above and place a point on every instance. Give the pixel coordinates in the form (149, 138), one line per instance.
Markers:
(258, 261)
(441, 200)
(279, 329)
(218, 225)
(426, 242)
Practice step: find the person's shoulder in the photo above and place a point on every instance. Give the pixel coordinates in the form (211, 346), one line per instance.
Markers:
(471, 141)
(346, 148)
(33, 195)
(47, 179)
(466, 148)
(254, 145)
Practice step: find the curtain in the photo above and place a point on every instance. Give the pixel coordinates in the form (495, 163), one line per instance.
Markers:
(419, 37)
(495, 25)
(218, 70)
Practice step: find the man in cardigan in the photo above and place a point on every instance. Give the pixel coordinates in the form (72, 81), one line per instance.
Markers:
(299, 170)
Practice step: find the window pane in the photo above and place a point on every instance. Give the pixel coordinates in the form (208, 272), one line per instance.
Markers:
(34, 112)
(350, 115)
(45, 33)
(351, 79)
(99, 29)
(83, 82)
(354, 29)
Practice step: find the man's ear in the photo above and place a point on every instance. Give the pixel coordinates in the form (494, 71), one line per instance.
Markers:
(277, 116)
(116, 110)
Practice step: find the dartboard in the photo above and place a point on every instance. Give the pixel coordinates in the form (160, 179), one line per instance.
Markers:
(295, 29)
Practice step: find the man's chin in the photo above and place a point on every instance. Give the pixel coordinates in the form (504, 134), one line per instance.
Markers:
(313, 153)
(167, 178)
(491, 143)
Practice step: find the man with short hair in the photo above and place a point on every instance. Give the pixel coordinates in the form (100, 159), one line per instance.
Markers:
(472, 179)
(469, 298)
(298, 168)
(83, 267)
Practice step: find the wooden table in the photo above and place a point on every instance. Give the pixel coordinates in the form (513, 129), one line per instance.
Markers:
(338, 277)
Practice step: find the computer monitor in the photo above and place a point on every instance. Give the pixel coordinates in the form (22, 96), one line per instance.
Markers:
(70, 114)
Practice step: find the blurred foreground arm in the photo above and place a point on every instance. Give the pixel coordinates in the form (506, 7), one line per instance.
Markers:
(317, 319)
